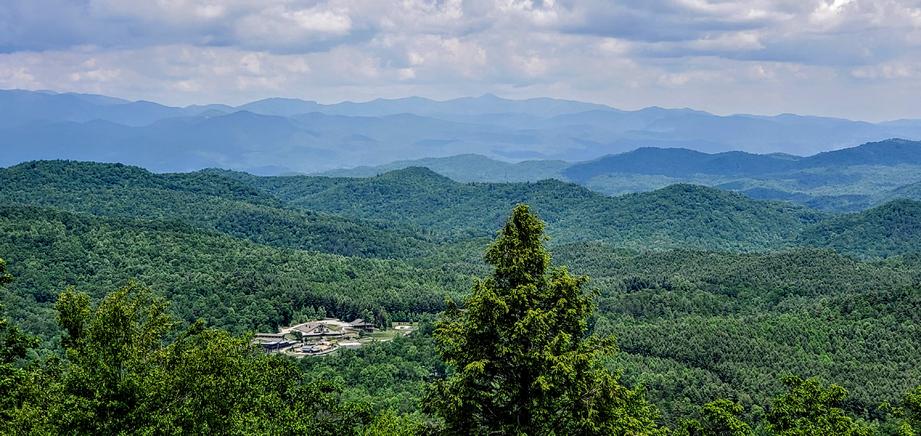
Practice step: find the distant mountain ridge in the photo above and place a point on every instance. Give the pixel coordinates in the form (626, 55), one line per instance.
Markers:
(279, 135)
(467, 168)
(684, 162)
(844, 180)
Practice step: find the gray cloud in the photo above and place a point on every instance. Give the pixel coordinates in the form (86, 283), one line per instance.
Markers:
(725, 56)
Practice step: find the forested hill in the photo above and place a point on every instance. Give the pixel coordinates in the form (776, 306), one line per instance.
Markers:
(892, 228)
(467, 168)
(680, 215)
(231, 283)
(709, 294)
(202, 199)
(406, 213)
(911, 191)
(889, 152)
(680, 162)
(845, 180)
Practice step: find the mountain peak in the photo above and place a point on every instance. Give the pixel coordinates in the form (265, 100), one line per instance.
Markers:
(415, 173)
(888, 152)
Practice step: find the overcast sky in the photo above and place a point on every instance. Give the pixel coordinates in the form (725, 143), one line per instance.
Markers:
(852, 58)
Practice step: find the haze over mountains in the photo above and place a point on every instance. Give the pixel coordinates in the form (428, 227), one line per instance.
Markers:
(287, 135)
(848, 179)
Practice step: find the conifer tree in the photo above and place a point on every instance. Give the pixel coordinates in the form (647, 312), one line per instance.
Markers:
(520, 357)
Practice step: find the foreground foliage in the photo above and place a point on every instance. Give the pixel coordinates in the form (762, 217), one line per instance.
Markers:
(130, 368)
(519, 359)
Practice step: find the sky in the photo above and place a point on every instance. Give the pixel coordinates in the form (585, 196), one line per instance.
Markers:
(858, 59)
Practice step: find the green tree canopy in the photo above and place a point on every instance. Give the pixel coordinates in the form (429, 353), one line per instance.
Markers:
(131, 368)
(520, 359)
(5, 277)
(14, 381)
(910, 410)
(720, 417)
(808, 408)
(13, 342)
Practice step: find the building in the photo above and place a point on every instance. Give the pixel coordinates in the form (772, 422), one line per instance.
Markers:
(362, 326)
(315, 337)
(273, 341)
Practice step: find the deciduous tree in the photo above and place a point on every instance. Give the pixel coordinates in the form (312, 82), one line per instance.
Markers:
(808, 408)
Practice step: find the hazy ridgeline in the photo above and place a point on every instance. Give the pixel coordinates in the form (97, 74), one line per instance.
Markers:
(277, 135)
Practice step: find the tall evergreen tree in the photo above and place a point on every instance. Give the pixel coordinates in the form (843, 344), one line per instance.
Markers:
(520, 358)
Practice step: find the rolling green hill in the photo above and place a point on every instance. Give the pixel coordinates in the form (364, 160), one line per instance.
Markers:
(680, 215)
(889, 152)
(893, 228)
(845, 180)
(400, 214)
(205, 200)
(679, 162)
(709, 293)
(229, 282)
(911, 191)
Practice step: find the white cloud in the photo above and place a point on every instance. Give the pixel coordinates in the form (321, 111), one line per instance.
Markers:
(891, 71)
(289, 28)
(725, 56)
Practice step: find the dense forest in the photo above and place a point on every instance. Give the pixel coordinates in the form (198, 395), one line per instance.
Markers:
(700, 311)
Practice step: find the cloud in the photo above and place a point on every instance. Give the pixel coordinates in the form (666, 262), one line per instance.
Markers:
(720, 55)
